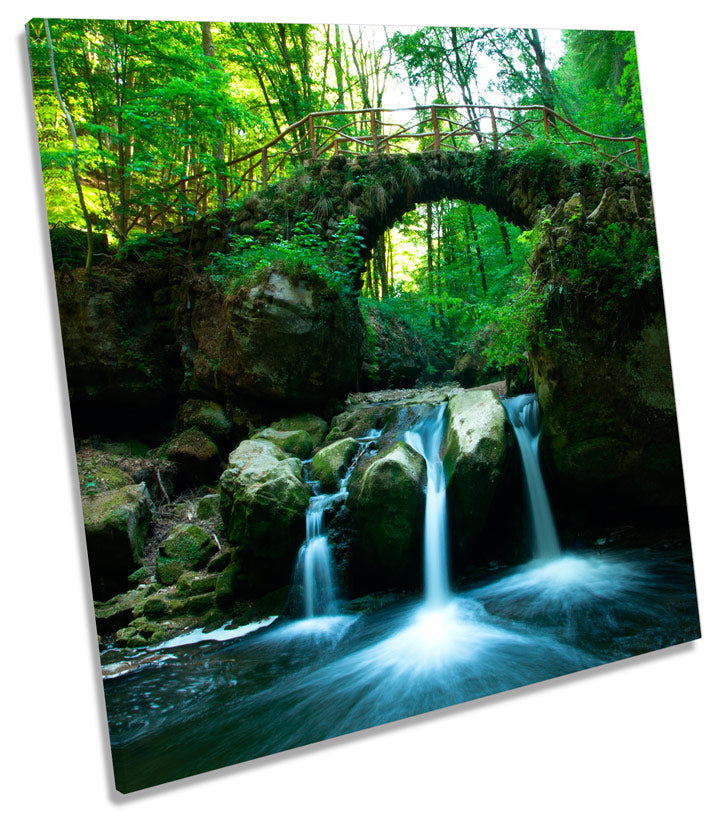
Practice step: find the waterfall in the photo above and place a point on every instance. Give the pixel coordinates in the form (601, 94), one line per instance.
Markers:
(524, 414)
(314, 571)
(426, 439)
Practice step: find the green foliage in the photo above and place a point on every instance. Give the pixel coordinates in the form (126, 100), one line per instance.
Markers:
(305, 254)
(614, 263)
(148, 248)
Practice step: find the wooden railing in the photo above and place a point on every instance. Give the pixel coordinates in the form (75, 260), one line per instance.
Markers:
(323, 134)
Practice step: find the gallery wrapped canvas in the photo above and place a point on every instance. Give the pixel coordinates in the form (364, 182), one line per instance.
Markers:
(368, 368)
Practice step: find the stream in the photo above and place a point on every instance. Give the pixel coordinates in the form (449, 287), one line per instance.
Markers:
(204, 701)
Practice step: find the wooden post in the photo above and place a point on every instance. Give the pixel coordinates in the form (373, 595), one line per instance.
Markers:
(311, 134)
(545, 123)
(374, 130)
(436, 128)
(264, 165)
(638, 155)
(494, 128)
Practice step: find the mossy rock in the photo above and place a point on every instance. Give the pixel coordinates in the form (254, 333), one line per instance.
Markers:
(358, 421)
(190, 545)
(208, 507)
(475, 451)
(296, 442)
(102, 478)
(168, 570)
(190, 584)
(315, 426)
(207, 416)
(124, 634)
(198, 604)
(142, 575)
(137, 641)
(155, 607)
(330, 464)
(118, 611)
(196, 455)
(220, 561)
(388, 505)
(116, 523)
(263, 499)
(229, 584)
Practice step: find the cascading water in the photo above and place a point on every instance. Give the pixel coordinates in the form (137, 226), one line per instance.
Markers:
(314, 568)
(314, 561)
(426, 439)
(524, 414)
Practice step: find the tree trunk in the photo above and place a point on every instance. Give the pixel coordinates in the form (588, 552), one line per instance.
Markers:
(73, 135)
(380, 265)
(218, 150)
(431, 274)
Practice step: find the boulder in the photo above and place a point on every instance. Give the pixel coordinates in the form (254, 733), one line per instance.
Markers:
(190, 584)
(330, 464)
(117, 612)
(116, 523)
(121, 356)
(284, 340)
(296, 442)
(263, 500)
(187, 547)
(208, 506)
(475, 448)
(207, 416)
(195, 454)
(359, 420)
(315, 426)
(609, 426)
(388, 503)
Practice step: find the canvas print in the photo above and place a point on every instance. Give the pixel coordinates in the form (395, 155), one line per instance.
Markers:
(368, 371)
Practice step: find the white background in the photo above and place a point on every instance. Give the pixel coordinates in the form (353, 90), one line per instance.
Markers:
(638, 738)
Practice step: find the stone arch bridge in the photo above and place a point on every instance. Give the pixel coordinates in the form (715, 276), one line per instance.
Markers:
(379, 189)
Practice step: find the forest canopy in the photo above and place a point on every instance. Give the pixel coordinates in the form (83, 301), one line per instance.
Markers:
(142, 125)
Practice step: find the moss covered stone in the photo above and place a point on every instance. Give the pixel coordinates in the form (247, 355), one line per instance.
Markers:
(315, 426)
(263, 499)
(357, 421)
(388, 504)
(190, 584)
(219, 561)
(187, 547)
(197, 604)
(475, 449)
(117, 612)
(207, 416)
(116, 523)
(330, 464)
(296, 442)
(155, 607)
(195, 454)
(208, 507)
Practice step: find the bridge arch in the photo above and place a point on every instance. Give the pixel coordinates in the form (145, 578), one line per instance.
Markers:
(379, 189)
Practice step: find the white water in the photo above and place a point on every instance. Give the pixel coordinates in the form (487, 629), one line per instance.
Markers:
(524, 414)
(426, 438)
(314, 568)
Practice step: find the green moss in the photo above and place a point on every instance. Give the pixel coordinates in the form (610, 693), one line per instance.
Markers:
(297, 443)
(330, 464)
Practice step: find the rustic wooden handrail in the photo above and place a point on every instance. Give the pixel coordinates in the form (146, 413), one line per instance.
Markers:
(371, 130)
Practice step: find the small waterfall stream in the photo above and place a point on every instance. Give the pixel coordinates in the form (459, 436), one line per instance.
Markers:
(314, 568)
(426, 439)
(524, 414)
